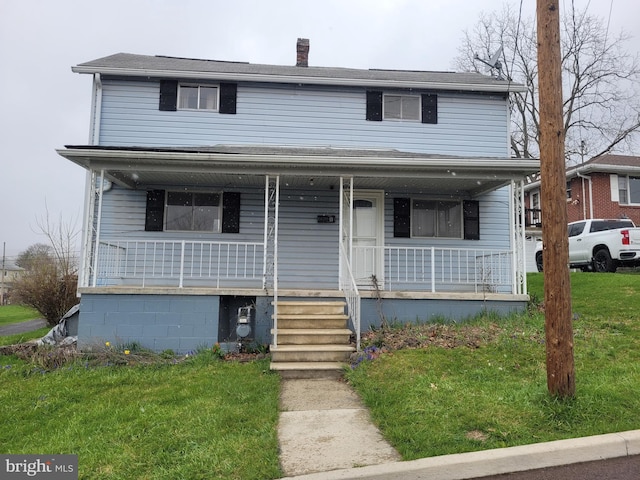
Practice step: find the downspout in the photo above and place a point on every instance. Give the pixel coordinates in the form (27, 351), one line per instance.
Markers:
(584, 207)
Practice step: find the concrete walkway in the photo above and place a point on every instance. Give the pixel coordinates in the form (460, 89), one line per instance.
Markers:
(325, 433)
(324, 426)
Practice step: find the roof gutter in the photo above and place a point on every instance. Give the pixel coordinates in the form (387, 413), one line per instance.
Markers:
(583, 170)
(300, 79)
(200, 161)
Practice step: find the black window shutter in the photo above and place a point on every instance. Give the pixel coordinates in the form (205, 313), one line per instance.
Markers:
(402, 217)
(154, 220)
(231, 212)
(168, 95)
(471, 212)
(374, 106)
(228, 95)
(429, 108)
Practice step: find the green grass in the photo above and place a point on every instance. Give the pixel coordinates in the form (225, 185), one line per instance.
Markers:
(23, 337)
(10, 314)
(17, 313)
(436, 401)
(197, 419)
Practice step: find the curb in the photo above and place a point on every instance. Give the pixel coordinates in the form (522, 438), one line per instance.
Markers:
(498, 461)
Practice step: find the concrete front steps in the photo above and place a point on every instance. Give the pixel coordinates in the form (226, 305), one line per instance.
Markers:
(313, 339)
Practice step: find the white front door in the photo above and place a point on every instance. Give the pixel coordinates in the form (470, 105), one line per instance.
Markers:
(368, 237)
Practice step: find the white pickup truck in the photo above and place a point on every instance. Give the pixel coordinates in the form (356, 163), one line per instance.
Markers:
(600, 245)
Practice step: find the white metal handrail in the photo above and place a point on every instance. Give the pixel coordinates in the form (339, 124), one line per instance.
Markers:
(440, 269)
(352, 296)
(138, 261)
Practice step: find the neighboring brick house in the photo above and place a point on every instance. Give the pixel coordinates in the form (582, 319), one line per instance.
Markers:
(607, 186)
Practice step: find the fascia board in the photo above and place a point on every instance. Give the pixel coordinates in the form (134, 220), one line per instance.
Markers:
(603, 168)
(492, 167)
(298, 79)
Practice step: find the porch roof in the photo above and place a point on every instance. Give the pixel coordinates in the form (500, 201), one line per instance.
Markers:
(143, 167)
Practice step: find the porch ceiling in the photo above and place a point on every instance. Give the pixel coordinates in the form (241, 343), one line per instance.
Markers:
(299, 168)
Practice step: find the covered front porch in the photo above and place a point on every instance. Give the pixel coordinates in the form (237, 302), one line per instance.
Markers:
(313, 223)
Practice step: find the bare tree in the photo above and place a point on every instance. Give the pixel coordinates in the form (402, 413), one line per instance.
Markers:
(34, 255)
(601, 80)
(50, 281)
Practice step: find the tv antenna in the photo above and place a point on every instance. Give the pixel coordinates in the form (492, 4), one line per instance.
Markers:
(493, 63)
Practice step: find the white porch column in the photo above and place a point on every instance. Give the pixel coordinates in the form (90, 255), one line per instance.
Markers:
(87, 228)
(518, 237)
(270, 267)
(96, 250)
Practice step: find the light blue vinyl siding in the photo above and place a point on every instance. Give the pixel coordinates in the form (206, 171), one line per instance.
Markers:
(494, 223)
(468, 124)
(123, 217)
(308, 250)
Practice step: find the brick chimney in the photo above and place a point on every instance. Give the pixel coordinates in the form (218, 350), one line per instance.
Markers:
(302, 49)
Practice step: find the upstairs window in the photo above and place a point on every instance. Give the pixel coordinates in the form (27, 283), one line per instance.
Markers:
(401, 107)
(197, 97)
(220, 98)
(193, 211)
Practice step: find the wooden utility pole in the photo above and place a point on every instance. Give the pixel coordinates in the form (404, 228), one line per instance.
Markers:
(557, 287)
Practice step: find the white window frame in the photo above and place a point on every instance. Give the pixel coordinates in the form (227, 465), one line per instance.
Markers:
(402, 118)
(623, 181)
(199, 86)
(448, 200)
(217, 226)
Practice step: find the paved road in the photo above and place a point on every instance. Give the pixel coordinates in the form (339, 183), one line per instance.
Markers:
(22, 327)
(621, 468)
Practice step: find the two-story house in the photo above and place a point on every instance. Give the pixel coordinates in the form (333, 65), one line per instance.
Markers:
(215, 185)
(9, 273)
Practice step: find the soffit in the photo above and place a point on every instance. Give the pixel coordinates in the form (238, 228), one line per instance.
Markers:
(225, 166)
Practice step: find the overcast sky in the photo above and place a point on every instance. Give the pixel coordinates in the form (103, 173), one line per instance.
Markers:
(44, 106)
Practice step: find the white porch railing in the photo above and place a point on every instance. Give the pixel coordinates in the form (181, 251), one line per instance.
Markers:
(438, 269)
(352, 296)
(172, 263)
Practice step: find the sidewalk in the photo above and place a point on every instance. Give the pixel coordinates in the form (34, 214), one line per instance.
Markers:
(324, 426)
(325, 433)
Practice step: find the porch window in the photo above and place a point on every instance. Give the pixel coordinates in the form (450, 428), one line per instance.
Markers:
(629, 190)
(193, 211)
(436, 218)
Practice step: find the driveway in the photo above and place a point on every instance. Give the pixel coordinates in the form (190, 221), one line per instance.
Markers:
(22, 327)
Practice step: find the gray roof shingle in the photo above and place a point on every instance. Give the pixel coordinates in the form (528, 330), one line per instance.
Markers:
(162, 66)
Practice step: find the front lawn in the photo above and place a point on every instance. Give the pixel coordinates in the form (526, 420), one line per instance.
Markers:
(198, 418)
(482, 385)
